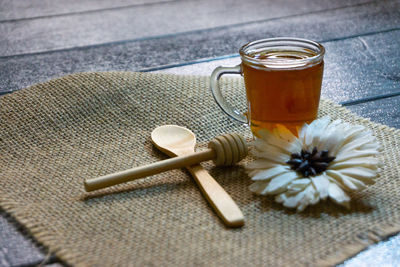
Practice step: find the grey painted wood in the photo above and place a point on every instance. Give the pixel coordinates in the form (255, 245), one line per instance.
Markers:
(21, 71)
(362, 67)
(385, 111)
(382, 254)
(16, 247)
(54, 33)
(54, 265)
(22, 9)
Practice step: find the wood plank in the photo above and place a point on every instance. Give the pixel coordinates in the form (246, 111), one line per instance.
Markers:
(385, 111)
(17, 249)
(382, 254)
(363, 67)
(347, 61)
(62, 32)
(22, 9)
(54, 265)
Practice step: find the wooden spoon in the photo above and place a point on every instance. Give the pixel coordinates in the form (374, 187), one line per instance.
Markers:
(178, 141)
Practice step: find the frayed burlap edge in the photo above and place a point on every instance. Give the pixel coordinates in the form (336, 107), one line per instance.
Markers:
(39, 233)
(361, 241)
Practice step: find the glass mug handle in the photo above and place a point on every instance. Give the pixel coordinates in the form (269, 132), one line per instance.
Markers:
(216, 91)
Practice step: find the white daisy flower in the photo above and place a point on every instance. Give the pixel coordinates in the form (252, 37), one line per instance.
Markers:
(328, 159)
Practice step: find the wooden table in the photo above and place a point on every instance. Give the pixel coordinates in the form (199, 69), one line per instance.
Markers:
(41, 40)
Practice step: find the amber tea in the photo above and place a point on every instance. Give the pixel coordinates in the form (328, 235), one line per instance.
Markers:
(283, 91)
(283, 79)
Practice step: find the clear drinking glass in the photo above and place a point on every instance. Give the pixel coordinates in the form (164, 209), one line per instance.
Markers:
(283, 79)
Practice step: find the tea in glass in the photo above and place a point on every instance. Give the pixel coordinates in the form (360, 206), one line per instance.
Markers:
(284, 90)
(283, 79)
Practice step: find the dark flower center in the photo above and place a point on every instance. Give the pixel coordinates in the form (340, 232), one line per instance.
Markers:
(310, 163)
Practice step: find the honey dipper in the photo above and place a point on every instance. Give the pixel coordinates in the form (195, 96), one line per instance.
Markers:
(226, 150)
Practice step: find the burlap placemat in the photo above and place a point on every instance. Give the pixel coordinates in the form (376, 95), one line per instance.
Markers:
(56, 134)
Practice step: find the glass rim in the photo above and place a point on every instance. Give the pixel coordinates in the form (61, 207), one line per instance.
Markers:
(282, 41)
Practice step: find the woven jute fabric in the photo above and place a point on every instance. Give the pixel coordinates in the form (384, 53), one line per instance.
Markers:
(56, 134)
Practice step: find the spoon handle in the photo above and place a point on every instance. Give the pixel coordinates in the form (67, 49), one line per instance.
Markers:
(218, 198)
(147, 170)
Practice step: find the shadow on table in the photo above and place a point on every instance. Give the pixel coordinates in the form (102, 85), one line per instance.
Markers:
(315, 211)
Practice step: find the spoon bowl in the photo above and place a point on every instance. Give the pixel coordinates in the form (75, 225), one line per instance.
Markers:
(174, 141)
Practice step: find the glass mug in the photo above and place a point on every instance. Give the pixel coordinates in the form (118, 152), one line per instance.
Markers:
(283, 79)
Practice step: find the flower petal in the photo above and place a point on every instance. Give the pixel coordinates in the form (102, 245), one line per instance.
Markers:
(289, 200)
(347, 182)
(284, 133)
(278, 184)
(270, 173)
(298, 185)
(300, 200)
(357, 154)
(271, 139)
(311, 197)
(332, 136)
(253, 172)
(355, 144)
(258, 187)
(349, 132)
(373, 145)
(272, 155)
(314, 131)
(354, 184)
(359, 172)
(367, 162)
(263, 145)
(337, 176)
(338, 195)
(321, 184)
